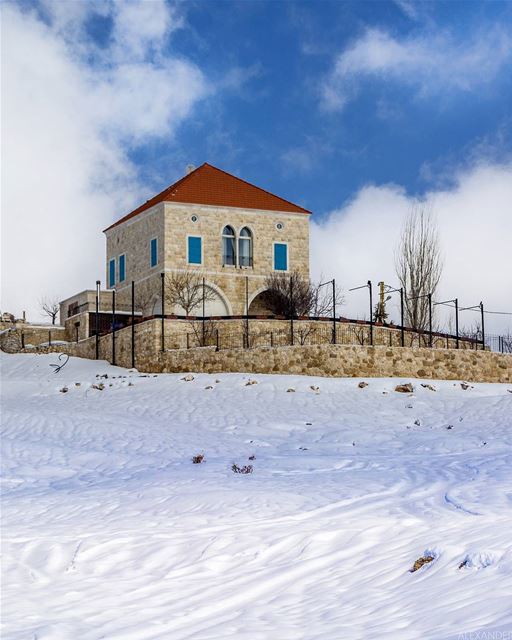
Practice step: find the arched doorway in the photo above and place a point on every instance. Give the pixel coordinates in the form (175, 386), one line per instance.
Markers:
(259, 305)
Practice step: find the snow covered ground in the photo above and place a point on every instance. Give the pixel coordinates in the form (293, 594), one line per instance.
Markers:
(110, 531)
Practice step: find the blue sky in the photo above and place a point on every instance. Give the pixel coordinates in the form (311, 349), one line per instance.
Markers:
(271, 127)
(356, 110)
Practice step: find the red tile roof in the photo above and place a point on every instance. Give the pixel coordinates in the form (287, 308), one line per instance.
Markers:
(211, 186)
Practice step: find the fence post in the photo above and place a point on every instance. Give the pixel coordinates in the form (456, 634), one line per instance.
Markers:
(133, 324)
(271, 338)
(402, 330)
(217, 339)
(333, 311)
(371, 311)
(22, 339)
(113, 326)
(188, 341)
(204, 326)
(162, 319)
(291, 310)
(483, 325)
(456, 323)
(50, 338)
(247, 308)
(98, 283)
(429, 297)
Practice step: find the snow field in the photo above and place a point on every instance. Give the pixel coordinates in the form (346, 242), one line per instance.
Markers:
(110, 531)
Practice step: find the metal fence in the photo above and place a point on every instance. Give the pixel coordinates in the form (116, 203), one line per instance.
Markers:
(213, 334)
(251, 332)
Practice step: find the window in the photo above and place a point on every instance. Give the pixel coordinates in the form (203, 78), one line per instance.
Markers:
(245, 248)
(280, 256)
(194, 250)
(228, 246)
(111, 273)
(153, 251)
(122, 267)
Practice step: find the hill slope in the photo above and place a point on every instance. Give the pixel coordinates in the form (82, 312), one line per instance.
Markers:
(111, 532)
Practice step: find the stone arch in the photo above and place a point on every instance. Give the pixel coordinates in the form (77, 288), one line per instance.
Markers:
(221, 305)
(257, 303)
(218, 306)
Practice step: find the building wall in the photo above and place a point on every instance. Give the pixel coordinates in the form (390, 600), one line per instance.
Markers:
(172, 224)
(132, 238)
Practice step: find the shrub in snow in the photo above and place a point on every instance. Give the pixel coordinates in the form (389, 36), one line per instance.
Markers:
(247, 468)
(63, 390)
(314, 388)
(420, 562)
(198, 459)
(362, 385)
(249, 382)
(404, 388)
(209, 387)
(290, 390)
(188, 378)
(253, 457)
(428, 386)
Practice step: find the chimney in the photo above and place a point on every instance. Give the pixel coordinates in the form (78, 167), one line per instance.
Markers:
(189, 169)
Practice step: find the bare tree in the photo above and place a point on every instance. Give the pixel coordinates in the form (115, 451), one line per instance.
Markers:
(286, 294)
(418, 264)
(50, 307)
(146, 294)
(185, 289)
(205, 333)
(323, 299)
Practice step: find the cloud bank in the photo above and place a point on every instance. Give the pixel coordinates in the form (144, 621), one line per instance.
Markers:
(72, 111)
(429, 63)
(356, 242)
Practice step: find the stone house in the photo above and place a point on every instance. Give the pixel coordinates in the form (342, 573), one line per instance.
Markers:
(226, 230)
(230, 232)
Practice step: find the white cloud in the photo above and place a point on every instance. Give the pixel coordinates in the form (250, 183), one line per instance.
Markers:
(356, 242)
(430, 63)
(70, 113)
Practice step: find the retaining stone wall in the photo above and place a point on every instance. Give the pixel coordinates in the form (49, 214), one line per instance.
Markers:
(321, 360)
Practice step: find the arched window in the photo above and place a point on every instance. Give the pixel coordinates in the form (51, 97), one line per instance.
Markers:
(228, 246)
(245, 248)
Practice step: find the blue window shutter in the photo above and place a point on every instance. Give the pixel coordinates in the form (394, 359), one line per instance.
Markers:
(194, 250)
(154, 252)
(122, 268)
(111, 273)
(280, 257)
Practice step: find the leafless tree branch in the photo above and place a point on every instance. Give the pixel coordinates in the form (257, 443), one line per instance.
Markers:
(50, 307)
(418, 264)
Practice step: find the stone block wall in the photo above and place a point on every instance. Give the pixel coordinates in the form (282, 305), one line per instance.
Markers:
(18, 333)
(345, 361)
(320, 360)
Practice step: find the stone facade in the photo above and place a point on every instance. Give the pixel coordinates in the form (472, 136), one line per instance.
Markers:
(172, 223)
